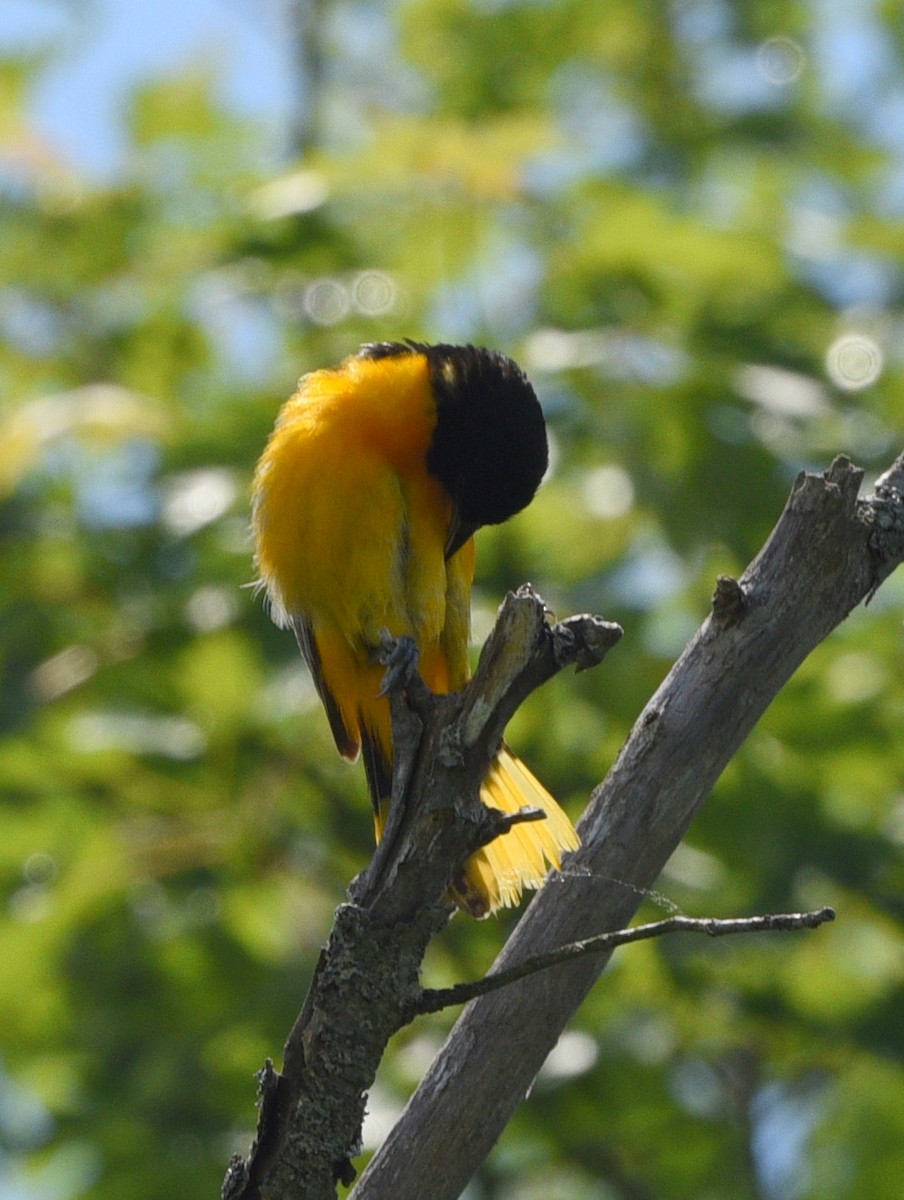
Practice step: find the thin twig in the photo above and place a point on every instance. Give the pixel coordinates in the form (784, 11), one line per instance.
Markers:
(433, 999)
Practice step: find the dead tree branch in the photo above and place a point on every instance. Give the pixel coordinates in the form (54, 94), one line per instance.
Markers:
(366, 983)
(827, 554)
(435, 999)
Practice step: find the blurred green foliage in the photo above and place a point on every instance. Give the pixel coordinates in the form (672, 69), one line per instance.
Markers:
(686, 221)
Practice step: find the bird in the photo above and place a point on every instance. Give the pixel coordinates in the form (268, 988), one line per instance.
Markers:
(365, 502)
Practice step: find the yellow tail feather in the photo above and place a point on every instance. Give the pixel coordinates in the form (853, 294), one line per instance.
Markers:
(497, 874)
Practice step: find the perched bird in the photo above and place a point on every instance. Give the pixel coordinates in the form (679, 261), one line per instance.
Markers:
(365, 502)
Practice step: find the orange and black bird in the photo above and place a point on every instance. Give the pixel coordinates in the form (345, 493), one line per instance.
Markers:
(366, 499)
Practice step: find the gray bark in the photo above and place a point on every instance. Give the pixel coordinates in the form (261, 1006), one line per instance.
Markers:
(366, 984)
(828, 553)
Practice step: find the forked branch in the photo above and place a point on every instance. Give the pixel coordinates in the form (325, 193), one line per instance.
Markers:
(366, 983)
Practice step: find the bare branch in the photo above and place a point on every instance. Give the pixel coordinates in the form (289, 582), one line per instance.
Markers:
(828, 553)
(366, 983)
(434, 999)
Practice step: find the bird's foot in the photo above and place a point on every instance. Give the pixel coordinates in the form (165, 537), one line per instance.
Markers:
(400, 657)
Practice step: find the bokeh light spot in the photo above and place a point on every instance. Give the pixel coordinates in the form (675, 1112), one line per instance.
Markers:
(780, 60)
(326, 301)
(854, 361)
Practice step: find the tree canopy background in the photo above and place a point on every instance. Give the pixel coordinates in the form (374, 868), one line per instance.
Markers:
(686, 221)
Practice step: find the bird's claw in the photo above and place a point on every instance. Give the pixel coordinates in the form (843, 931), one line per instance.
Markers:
(400, 657)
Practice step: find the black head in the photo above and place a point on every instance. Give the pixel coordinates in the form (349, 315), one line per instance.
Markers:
(489, 447)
